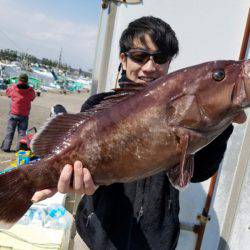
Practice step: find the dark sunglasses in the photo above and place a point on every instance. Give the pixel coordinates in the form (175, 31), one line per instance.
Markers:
(142, 56)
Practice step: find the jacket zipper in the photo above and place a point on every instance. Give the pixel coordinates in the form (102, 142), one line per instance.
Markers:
(89, 218)
(141, 211)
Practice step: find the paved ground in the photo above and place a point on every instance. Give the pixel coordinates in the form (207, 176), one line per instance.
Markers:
(39, 114)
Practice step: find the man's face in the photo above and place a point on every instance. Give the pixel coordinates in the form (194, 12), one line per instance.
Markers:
(140, 72)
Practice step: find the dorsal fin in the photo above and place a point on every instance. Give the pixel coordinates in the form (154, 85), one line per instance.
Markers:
(58, 129)
(55, 131)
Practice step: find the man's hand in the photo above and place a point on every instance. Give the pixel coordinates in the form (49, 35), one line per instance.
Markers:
(82, 183)
(240, 118)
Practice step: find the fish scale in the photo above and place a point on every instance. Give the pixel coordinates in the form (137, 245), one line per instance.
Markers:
(137, 132)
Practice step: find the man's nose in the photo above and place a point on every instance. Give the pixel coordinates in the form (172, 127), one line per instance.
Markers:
(149, 66)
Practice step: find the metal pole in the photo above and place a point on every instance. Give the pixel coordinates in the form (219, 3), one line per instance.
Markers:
(102, 56)
(242, 163)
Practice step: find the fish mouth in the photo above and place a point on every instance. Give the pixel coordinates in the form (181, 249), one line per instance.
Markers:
(246, 78)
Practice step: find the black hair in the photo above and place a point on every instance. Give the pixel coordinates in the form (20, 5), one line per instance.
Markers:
(159, 31)
(24, 78)
(57, 109)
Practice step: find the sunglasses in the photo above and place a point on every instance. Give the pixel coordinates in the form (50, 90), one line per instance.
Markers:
(143, 56)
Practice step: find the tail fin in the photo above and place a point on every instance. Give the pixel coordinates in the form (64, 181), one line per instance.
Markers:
(15, 196)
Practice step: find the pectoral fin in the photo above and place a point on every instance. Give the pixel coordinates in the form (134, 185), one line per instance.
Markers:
(180, 175)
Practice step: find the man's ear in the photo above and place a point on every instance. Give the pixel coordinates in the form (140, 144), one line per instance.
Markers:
(123, 60)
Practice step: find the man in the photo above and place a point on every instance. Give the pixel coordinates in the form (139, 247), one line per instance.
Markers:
(142, 214)
(21, 95)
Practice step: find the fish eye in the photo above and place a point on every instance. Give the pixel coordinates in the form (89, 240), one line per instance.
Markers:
(219, 75)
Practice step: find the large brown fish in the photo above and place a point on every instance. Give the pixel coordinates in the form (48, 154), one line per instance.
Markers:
(139, 131)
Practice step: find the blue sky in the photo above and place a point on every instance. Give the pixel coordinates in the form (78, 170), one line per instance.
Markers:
(43, 27)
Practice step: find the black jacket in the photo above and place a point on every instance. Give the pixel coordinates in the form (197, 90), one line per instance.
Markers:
(142, 214)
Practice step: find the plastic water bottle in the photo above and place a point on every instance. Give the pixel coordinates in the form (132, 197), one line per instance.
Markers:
(34, 216)
(38, 215)
(54, 216)
(26, 219)
(57, 217)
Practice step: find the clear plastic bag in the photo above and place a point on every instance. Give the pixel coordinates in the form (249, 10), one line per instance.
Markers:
(54, 216)
(57, 217)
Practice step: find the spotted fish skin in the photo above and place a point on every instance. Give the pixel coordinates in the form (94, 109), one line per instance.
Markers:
(137, 132)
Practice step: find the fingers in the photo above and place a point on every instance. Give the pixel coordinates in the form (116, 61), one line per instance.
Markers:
(82, 180)
(83, 183)
(43, 194)
(89, 185)
(78, 178)
(63, 185)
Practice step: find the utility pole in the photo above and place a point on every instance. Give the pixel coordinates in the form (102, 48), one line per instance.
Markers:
(60, 58)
